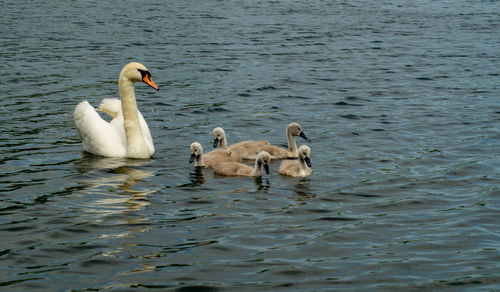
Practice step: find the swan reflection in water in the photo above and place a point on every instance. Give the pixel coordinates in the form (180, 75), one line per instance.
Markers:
(262, 184)
(196, 177)
(112, 180)
(302, 192)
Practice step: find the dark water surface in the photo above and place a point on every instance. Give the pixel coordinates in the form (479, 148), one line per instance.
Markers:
(399, 98)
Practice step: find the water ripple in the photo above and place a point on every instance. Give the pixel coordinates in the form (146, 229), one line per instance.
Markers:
(399, 102)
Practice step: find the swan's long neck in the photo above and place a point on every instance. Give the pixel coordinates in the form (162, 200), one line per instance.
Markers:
(223, 142)
(136, 145)
(200, 161)
(302, 165)
(292, 145)
(257, 170)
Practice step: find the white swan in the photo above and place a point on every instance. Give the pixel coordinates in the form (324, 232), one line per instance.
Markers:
(113, 107)
(212, 157)
(240, 169)
(127, 135)
(300, 167)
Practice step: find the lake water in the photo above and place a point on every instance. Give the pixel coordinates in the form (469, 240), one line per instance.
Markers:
(400, 100)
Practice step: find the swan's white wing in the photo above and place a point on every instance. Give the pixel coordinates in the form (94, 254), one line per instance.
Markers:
(117, 123)
(98, 136)
(146, 133)
(111, 106)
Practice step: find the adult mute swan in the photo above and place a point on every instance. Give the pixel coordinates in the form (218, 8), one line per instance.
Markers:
(127, 135)
(240, 169)
(212, 157)
(300, 167)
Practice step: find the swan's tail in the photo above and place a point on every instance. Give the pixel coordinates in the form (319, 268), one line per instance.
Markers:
(111, 106)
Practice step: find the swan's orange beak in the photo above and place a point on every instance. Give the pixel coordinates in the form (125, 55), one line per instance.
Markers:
(147, 79)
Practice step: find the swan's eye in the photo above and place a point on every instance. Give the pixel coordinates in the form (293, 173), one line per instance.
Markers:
(144, 73)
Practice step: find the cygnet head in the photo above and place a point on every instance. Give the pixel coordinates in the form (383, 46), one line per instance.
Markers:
(296, 130)
(263, 159)
(219, 136)
(196, 151)
(304, 153)
(136, 72)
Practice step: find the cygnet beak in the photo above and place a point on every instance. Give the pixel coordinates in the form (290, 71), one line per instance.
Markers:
(308, 161)
(193, 156)
(303, 136)
(266, 168)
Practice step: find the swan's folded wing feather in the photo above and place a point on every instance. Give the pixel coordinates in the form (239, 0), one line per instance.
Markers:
(111, 106)
(146, 133)
(220, 155)
(232, 168)
(98, 136)
(289, 167)
(250, 144)
(275, 151)
(248, 149)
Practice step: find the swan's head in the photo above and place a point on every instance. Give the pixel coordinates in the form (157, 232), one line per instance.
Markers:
(219, 135)
(196, 151)
(305, 154)
(296, 130)
(263, 158)
(136, 72)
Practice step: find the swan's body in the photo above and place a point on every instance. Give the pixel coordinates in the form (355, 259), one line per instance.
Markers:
(113, 107)
(240, 169)
(245, 148)
(127, 135)
(300, 167)
(250, 150)
(292, 130)
(212, 157)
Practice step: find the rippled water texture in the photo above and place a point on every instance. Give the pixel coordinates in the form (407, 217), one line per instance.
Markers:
(399, 98)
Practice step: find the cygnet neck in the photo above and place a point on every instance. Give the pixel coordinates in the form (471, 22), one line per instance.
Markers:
(223, 141)
(292, 145)
(200, 161)
(257, 171)
(302, 164)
